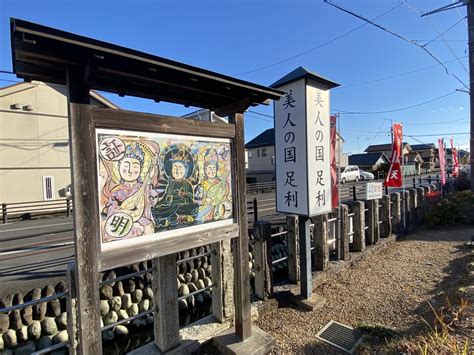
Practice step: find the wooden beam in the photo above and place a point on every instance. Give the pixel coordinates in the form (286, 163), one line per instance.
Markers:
(163, 247)
(130, 120)
(86, 214)
(243, 320)
(235, 107)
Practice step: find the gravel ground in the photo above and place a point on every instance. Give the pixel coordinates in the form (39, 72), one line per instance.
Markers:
(390, 288)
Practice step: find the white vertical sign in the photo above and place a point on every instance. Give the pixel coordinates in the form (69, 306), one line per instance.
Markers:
(302, 149)
(290, 150)
(319, 148)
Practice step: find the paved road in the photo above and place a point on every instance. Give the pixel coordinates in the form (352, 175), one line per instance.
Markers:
(38, 249)
(41, 249)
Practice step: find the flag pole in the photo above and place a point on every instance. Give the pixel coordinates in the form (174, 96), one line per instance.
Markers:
(403, 186)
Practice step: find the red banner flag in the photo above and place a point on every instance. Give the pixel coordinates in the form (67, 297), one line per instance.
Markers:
(334, 187)
(454, 153)
(442, 160)
(395, 175)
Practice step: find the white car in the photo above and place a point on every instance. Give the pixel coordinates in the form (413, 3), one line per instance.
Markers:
(365, 175)
(350, 173)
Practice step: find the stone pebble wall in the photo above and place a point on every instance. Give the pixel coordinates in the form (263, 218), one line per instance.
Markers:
(37, 327)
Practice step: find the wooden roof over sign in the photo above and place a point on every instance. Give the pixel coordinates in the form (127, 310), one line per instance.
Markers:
(44, 53)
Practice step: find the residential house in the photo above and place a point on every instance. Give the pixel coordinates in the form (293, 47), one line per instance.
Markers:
(260, 156)
(205, 115)
(370, 161)
(428, 154)
(34, 139)
(412, 162)
(387, 149)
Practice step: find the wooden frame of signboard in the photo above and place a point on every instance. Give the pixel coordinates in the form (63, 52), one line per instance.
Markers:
(141, 122)
(83, 64)
(84, 120)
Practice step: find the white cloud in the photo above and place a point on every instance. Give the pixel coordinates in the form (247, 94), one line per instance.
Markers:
(460, 108)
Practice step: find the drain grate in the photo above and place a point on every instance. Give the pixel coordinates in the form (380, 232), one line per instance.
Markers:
(341, 336)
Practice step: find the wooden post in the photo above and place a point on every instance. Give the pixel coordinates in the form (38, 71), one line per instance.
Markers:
(223, 281)
(344, 247)
(243, 321)
(385, 211)
(358, 224)
(396, 213)
(293, 251)
(166, 302)
(263, 259)
(86, 215)
(320, 240)
(306, 276)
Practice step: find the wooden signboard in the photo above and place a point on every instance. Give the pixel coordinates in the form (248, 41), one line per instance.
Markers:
(156, 186)
(159, 192)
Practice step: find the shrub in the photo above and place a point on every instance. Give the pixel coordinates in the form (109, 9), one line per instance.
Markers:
(456, 208)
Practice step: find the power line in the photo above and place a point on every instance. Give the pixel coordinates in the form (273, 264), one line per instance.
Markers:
(464, 119)
(438, 134)
(261, 114)
(395, 75)
(440, 34)
(393, 110)
(371, 22)
(316, 47)
(259, 118)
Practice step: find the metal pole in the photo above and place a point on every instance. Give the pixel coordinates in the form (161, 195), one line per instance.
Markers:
(470, 30)
(403, 186)
(338, 132)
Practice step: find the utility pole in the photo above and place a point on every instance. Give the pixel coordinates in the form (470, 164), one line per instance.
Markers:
(470, 32)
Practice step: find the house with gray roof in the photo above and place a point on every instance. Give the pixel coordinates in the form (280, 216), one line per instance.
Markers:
(260, 157)
(370, 161)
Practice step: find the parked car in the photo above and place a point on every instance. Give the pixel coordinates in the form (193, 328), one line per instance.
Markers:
(365, 175)
(350, 173)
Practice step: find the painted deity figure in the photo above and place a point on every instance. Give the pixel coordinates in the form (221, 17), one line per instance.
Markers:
(177, 207)
(127, 208)
(214, 190)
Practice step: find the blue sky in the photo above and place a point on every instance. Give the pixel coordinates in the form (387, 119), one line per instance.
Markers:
(245, 38)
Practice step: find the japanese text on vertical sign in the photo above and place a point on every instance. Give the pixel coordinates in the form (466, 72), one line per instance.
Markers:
(319, 103)
(290, 153)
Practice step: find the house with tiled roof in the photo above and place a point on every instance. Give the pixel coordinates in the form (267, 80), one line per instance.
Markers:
(369, 161)
(260, 157)
(429, 155)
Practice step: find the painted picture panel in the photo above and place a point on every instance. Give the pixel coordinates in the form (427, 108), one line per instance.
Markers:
(153, 185)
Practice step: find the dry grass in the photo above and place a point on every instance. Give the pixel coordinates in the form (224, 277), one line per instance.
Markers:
(440, 337)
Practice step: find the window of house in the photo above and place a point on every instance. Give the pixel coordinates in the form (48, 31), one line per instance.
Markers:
(249, 154)
(258, 153)
(48, 188)
(273, 160)
(264, 152)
